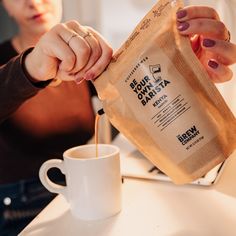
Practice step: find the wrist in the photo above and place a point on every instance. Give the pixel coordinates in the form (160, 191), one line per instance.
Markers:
(30, 70)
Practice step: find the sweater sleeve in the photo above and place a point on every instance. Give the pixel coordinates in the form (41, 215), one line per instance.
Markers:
(15, 87)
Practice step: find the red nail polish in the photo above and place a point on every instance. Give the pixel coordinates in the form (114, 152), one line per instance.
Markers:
(208, 42)
(79, 80)
(181, 14)
(213, 64)
(89, 76)
(183, 26)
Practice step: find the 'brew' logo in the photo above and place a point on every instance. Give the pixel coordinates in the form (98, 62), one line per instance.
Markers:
(188, 135)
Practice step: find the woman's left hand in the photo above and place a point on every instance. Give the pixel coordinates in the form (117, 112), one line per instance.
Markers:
(210, 40)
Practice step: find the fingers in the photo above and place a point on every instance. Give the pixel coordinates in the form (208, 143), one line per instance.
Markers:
(101, 63)
(193, 12)
(219, 73)
(92, 51)
(67, 46)
(51, 54)
(206, 27)
(201, 20)
(208, 37)
(75, 52)
(53, 44)
(95, 48)
(97, 52)
(225, 52)
(65, 76)
(81, 50)
(70, 51)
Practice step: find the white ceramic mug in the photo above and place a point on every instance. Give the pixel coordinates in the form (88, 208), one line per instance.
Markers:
(93, 184)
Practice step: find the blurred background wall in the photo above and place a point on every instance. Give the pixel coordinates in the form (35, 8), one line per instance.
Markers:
(7, 26)
(115, 19)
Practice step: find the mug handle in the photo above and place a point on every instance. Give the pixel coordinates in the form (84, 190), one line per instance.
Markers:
(48, 184)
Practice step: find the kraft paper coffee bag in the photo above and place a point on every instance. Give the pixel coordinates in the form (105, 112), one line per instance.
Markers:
(156, 92)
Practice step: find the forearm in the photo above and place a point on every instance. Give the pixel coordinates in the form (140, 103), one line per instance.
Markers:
(15, 87)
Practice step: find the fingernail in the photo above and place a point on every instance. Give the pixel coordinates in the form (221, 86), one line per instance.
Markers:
(89, 76)
(181, 14)
(183, 26)
(79, 80)
(213, 64)
(208, 42)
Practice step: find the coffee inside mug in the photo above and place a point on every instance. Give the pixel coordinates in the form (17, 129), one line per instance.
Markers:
(90, 153)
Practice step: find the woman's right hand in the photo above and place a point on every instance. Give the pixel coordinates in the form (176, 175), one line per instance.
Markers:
(210, 42)
(69, 51)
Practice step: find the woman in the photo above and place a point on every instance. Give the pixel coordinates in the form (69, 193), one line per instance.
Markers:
(41, 117)
(46, 119)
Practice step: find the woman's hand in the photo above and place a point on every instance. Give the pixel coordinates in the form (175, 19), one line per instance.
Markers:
(69, 51)
(210, 40)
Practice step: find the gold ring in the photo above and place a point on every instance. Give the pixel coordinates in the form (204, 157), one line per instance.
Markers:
(71, 37)
(88, 34)
(229, 37)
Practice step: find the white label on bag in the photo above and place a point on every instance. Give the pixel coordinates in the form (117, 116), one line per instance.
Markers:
(166, 106)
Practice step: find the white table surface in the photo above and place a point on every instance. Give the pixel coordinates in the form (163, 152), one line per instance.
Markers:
(152, 208)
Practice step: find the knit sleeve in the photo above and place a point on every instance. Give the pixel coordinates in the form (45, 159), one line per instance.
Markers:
(15, 87)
